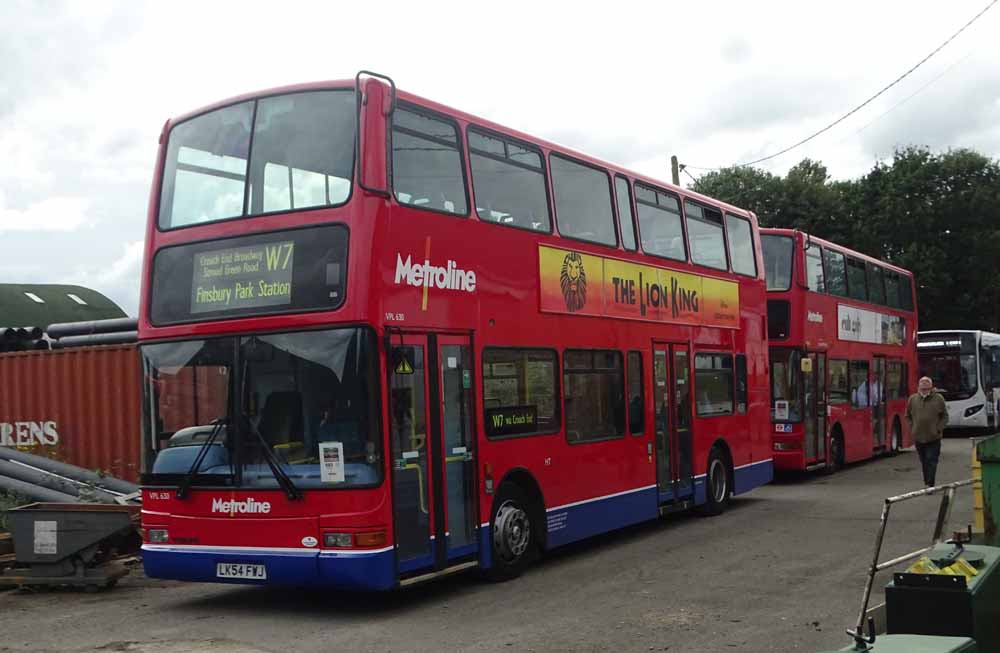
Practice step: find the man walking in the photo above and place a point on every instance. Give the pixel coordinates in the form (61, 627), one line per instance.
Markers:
(927, 416)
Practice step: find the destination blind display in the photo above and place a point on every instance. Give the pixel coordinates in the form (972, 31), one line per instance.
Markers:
(289, 271)
(243, 277)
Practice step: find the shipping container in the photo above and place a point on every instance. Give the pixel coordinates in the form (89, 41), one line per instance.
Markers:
(81, 406)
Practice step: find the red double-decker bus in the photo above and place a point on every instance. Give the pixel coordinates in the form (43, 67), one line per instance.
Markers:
(842, 329)
(384, 340)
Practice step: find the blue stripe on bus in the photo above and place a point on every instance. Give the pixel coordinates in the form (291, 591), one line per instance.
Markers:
(753, 475)
(574, 522)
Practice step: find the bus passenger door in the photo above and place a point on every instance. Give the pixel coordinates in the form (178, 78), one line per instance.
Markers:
(814, 406)
(819, 368)
(408, 436)
(662, 419)
(683, 435)
(433, 449)
(877, 400)
(672, 408)
(453, 466)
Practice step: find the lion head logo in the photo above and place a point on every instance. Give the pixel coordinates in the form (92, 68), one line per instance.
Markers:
(573, 280)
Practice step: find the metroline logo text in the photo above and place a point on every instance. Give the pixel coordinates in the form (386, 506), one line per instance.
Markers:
(425, 275)
(249, 505)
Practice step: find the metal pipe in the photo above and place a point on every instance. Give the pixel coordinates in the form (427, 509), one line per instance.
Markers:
(35, 476)
(109, 483)
(860, 629)
(35, 492)
(944, 512)
(903, 558)
(116, 325)
(937, 489)
(92, 340)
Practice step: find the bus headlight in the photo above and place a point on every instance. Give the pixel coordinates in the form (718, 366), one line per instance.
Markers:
(972, 410)
(338, 540)
(158, 535)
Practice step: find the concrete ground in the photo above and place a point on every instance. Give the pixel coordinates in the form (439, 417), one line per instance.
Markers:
(783, 569)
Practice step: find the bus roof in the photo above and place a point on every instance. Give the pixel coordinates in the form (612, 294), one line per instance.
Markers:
(468, 117)
(779, 231)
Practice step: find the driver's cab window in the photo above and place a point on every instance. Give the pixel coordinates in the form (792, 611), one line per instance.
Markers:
(307, 397)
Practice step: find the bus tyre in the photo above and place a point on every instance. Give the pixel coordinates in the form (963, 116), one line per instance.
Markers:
(897, 439)
(718, 488)
(836, 453)
(512, 538)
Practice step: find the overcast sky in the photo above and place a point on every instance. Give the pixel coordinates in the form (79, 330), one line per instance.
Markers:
(86, 86)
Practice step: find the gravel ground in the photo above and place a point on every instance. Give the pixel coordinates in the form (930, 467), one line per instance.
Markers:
(783, 569)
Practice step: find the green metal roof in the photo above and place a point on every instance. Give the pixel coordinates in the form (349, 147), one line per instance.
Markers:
(19, 309)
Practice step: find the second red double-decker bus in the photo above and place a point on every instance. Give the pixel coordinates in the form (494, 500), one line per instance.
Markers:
(384, 340)
(842, 329)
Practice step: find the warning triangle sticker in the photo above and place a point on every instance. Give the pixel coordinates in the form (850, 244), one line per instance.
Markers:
(403, 366)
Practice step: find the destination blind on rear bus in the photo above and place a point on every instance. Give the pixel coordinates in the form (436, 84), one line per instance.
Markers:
(290, 271)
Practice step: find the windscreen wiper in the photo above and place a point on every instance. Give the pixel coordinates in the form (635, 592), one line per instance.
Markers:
(284, 481)
(185, 484)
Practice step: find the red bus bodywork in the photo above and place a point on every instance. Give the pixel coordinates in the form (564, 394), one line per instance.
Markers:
(823, 329)
(584, 488)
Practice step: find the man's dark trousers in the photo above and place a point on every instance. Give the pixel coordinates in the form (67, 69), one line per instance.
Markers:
(929, 453)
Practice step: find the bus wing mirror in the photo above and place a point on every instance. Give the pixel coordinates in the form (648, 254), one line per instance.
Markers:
(375, 104)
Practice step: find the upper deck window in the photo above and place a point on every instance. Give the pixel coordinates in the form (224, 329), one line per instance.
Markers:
(876, 289)
(814, 270)
(279, 153)
(583, 201)
(905, 293)
(892, 289)
(508, 183)
(777, 261)
(626, 218)
(660, 230)
(836, 275)
(427, 170)
(857, 286)
(740, 237)
(704, 225)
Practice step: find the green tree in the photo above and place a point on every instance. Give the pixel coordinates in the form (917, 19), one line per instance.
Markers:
(937, 215)
(748, 188)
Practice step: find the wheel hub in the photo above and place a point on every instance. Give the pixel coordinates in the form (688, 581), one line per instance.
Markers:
(511, 532)
(717, 477)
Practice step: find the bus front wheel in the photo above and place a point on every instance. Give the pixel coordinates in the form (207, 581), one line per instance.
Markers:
(512, 537)
(836, 453)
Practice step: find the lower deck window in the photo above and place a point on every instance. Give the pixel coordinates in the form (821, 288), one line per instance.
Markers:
(859, 384)
(713, 379)
(519, 392)
(594, 395)
(838, 385)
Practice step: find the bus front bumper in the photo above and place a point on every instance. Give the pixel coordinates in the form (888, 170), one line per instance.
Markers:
(355, 570)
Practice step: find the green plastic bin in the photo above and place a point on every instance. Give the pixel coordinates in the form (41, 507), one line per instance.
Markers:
(988, 452)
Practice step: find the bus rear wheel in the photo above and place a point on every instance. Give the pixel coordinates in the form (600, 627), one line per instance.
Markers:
(718, 487)
(512, 538)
